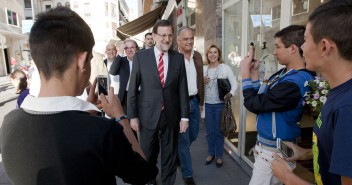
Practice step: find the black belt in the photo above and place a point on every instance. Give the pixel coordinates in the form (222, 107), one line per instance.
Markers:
(191, 97)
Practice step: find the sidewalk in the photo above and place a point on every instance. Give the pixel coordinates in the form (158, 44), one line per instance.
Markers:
(230, 173)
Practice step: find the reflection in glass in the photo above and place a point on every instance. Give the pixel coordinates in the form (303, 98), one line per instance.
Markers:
(232, 50)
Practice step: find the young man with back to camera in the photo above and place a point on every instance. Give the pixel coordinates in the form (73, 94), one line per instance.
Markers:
(59, 141)
(278, 104)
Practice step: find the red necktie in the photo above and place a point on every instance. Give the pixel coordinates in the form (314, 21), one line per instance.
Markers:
(161, 74)
(161, 69)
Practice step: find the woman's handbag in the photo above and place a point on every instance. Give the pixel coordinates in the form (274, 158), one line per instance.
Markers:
(227, 119)
(224, 87)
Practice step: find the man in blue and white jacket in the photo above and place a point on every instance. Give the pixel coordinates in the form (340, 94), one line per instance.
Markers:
(277, 103)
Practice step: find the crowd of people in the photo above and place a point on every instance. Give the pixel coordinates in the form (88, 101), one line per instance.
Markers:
(155, 99)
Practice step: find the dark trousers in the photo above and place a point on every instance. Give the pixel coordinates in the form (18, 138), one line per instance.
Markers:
(124, 102)
(149, 140)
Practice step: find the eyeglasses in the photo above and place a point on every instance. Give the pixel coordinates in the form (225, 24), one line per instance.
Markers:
(164, 36)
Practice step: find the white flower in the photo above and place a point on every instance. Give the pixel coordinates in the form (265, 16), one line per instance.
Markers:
(305, 94)
(314, 103)
(305, 85)
(324, 92)
(323, 99)
(321, 84)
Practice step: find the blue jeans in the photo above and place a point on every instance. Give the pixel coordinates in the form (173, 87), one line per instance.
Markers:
(185, 139)
(212, 126)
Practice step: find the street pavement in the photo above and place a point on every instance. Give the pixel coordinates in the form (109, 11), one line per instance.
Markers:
(230, 173)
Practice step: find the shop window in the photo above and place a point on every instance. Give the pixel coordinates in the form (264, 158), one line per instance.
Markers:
(232, 56)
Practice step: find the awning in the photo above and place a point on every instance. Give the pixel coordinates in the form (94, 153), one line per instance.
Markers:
(140, 24)
(169, 8)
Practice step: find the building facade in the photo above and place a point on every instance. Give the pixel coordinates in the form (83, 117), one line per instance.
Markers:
(13, 44)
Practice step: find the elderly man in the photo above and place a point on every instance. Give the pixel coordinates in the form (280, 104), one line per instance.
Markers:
(123, 66)
(110, 52)
(195, 81)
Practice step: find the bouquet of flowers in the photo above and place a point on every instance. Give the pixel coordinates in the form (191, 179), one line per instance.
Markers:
(316, 97)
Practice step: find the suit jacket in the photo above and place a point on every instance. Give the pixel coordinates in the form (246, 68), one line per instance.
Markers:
(198, 62)
(121, 67)
(147, 105)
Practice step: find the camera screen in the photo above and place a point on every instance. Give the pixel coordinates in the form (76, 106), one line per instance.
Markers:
(285, 149)
(102, 85)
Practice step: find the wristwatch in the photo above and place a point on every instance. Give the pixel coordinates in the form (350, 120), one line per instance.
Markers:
(121, 118)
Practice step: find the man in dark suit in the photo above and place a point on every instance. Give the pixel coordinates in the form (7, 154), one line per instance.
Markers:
(122, 66)
(162, 108)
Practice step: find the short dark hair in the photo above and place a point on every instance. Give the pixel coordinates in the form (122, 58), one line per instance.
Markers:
(145, 36)
(333, 20)
(56, 37)
(161, 23)
(293, 34)
(135, 43)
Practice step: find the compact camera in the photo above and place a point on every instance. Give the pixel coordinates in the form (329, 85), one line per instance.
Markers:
(284, 149)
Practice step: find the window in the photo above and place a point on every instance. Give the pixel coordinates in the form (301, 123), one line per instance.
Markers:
(86, 9)
(47, 7)
(113, 11)
(11, 17)
(67, 4)
(106, 9)
(27, 4)
(75, 6)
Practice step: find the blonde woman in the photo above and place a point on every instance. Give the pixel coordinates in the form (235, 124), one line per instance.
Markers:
(215, 69)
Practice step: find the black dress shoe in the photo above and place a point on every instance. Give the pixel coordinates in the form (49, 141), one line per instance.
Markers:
(208, 162)
(219, 164)
(189, 181)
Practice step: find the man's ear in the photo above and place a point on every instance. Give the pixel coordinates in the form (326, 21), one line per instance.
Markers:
(326, 46)
(294, 49)
(82, 58)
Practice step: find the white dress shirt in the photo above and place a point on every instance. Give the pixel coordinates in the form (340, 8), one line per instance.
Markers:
(191, 76)
(114, 79)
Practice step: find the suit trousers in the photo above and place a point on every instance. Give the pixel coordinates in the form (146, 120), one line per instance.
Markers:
(149, 140)
(185, 139)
